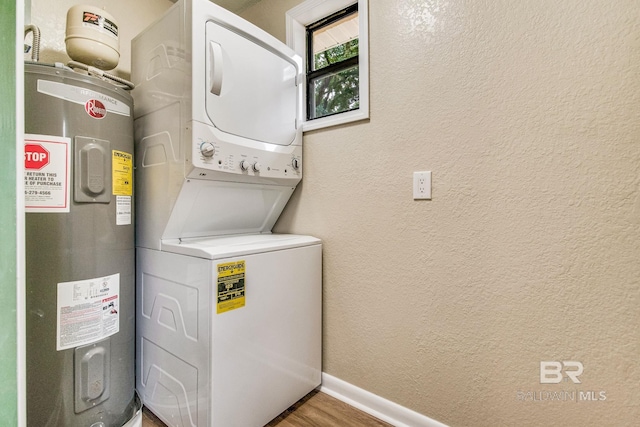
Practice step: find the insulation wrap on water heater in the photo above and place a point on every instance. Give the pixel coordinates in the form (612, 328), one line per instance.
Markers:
(79, 250)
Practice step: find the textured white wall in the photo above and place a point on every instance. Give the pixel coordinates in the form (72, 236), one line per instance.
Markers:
(131, 16)
(527, 112)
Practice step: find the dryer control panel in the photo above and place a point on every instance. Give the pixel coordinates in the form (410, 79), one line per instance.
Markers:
(214, 156)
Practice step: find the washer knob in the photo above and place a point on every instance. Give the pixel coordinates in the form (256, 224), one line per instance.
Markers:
(295, 163)
(207, 149)
(256, 167)
(244, 165)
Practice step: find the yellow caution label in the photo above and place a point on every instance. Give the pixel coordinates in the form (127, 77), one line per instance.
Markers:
(230, 286)
(122, 173)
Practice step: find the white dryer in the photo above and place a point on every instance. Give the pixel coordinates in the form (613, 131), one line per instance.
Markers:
(228, 314)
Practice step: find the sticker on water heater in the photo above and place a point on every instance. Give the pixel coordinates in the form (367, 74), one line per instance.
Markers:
(230, 296)
(81, 96)
(47, 173)
(123, 210)
(87, 311)
(122, 173)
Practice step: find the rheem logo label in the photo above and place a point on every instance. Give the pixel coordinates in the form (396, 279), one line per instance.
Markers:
(95, 109)
(552, 372)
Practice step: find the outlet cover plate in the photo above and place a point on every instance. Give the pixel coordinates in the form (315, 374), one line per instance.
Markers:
(422, 185)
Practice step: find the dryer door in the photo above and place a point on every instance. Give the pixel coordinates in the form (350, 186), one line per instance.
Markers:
(250, 88)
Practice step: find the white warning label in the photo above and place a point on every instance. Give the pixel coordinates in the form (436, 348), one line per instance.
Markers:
(123, 210)
(88, 311)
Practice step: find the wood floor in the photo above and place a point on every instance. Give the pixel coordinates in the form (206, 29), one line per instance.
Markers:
(314, 410)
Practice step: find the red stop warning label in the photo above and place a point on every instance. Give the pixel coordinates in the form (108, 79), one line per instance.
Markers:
(47, 173)
(35, 156)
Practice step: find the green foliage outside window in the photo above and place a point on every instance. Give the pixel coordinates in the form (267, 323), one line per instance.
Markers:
(336, 92)
(336, 54)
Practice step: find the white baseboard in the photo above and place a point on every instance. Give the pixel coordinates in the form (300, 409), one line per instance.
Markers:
(372, 404)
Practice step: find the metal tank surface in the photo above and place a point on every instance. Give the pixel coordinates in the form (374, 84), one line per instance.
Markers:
(79, 250)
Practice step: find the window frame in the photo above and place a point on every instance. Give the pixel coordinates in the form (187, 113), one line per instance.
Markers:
(337, 67)
(309, 12)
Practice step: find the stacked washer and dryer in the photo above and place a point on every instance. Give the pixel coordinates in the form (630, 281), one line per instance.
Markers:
(228, 314)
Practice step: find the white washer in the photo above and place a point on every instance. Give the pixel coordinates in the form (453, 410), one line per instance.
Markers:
(241, 367)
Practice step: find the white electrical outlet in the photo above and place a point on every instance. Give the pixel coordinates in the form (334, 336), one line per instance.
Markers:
(422, 185)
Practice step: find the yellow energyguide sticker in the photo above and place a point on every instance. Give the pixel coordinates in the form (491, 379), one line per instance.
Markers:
(231, 277)
(122, 172)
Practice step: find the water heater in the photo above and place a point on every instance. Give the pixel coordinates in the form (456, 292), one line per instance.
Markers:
(79, 250)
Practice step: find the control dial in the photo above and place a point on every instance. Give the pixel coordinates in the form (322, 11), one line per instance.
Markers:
(256, 167)
(207, 149)
(295, 163)
(244, 165)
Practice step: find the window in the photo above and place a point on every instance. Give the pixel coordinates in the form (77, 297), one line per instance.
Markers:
(332, 37)
(332, 64)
